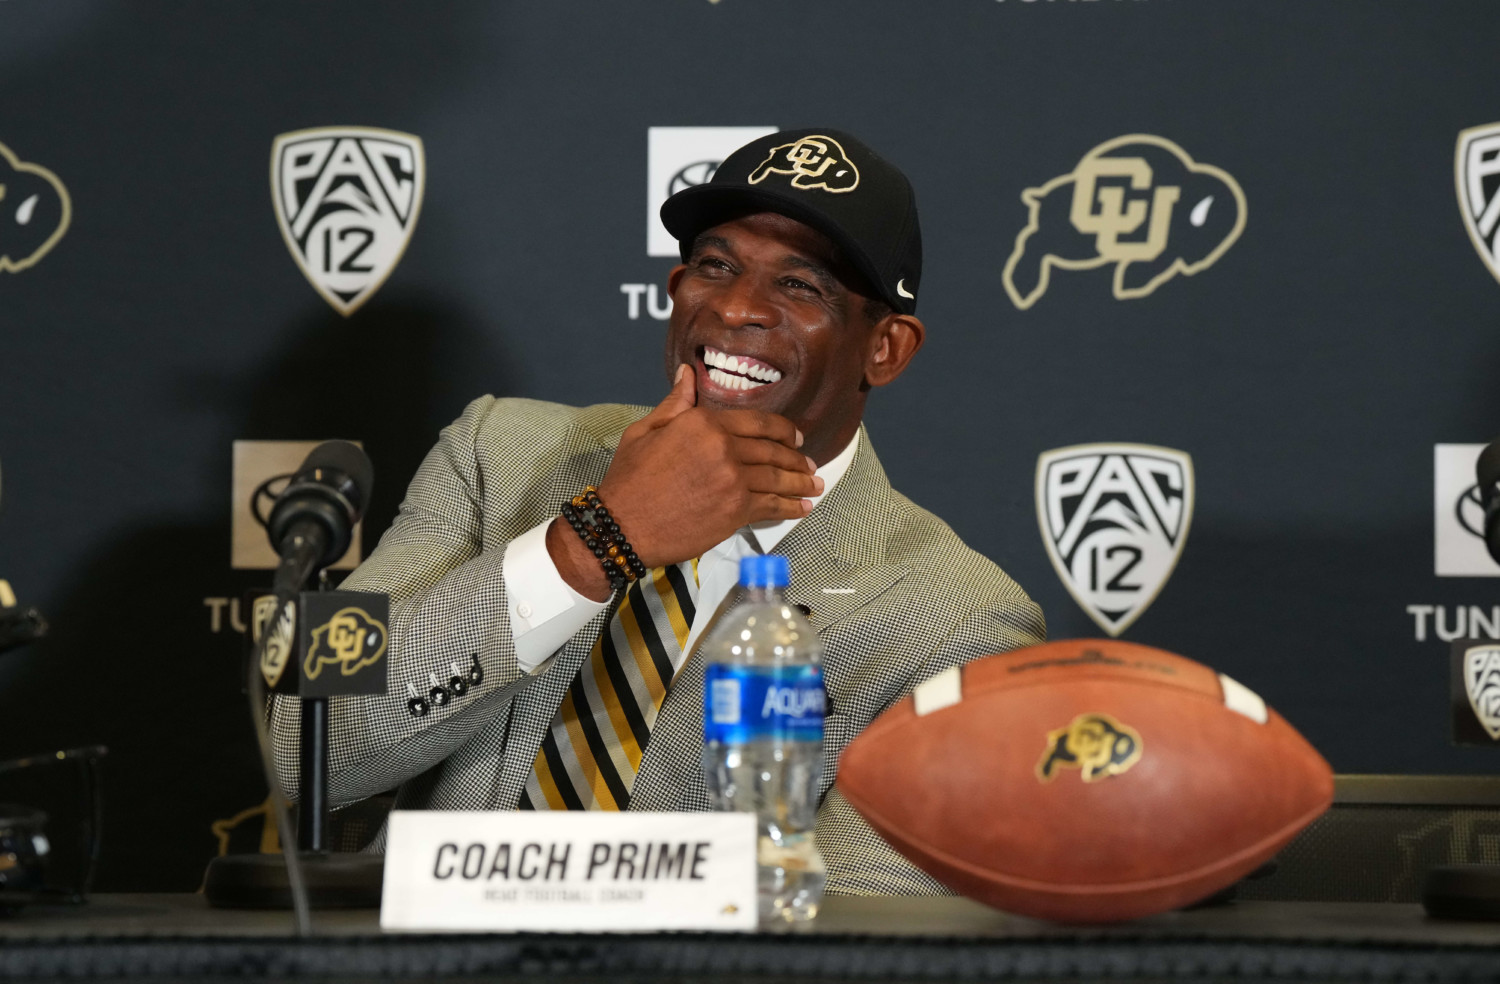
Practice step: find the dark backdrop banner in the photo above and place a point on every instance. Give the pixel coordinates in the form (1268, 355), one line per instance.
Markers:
(1214, 320)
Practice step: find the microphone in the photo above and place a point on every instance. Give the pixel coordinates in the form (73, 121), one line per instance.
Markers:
(1487, 471)
(313, 520)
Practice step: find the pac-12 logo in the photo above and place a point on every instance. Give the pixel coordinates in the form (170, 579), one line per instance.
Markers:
(1137, 201)
(278, 648)
(1114, 518)
(1476, 170)
(347, 200)
(1482, 684)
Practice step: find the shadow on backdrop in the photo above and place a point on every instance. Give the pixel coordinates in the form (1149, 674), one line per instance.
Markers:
(132, 662)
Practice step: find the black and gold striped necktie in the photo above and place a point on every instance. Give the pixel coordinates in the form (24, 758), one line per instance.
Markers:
(592, 750)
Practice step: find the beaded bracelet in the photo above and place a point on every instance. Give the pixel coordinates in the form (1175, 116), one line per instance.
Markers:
(601, 534)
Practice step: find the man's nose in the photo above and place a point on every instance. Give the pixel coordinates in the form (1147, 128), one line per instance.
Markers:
(745, 303)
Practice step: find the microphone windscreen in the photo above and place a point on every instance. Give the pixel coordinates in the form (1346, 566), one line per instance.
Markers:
(1487, 470)
(347, 458)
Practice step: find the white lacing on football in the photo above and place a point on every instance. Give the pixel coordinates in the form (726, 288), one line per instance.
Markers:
(1240, 698)
(936, 693)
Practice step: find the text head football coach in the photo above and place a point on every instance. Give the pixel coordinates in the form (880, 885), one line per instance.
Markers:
(802, 262)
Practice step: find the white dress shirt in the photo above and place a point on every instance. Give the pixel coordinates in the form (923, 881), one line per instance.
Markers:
(545, 611)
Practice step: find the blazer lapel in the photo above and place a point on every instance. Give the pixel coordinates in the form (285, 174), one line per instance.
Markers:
(837, 557)
(838, 552)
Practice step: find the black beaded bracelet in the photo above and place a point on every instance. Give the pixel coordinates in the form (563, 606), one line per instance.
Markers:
(601, 534)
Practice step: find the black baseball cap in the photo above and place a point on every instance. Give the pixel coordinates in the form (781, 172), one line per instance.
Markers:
(828, 180)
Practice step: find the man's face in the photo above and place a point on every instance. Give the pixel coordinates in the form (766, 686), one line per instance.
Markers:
(765, 291)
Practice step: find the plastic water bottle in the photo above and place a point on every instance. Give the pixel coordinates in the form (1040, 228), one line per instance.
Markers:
(763, 705)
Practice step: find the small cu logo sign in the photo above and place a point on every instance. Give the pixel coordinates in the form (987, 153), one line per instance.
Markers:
(1097, 744)
(351, 639)
(812, 162)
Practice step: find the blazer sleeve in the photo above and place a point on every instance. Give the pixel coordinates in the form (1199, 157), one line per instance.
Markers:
(448, 615)
(860, 861)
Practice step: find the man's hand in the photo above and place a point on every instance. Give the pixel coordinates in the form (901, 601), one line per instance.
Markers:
(684, 478)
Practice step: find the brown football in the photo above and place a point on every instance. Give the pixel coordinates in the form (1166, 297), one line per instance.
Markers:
(1085, 780)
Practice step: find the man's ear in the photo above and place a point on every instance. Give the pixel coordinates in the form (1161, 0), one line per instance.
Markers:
(897, 338)
(674, 278)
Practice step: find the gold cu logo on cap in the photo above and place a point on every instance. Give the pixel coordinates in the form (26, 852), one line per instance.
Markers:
(1096, 744)
(812, 162)
(351, 639)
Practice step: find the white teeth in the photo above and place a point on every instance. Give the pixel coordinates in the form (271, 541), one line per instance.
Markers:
(727, 381)
(742, 366)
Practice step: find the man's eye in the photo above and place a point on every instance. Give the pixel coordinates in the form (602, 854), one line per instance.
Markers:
(796, 284)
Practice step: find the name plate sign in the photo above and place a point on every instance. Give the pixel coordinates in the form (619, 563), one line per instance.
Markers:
(503, 871)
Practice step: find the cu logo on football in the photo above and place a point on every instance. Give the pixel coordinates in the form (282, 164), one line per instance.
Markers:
(1114, 518)
(347, 200)
(1095, 744)
(1138, 202)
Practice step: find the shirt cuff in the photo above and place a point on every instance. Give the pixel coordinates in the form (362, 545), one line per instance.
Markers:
(545, 611)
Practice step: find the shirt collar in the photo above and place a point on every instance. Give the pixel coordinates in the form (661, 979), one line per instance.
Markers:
(769, 534)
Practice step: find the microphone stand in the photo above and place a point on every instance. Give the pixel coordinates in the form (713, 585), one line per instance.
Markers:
(311, 876)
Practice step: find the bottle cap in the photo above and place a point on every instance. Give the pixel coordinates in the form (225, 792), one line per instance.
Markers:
(764, 571)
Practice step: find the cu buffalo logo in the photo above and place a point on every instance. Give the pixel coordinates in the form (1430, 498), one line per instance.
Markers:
(351, 640)
(34, 212)
(1138, 202)
(1096, 744)
(812, 162)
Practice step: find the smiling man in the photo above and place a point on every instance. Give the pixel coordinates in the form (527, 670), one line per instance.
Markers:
(796, 297)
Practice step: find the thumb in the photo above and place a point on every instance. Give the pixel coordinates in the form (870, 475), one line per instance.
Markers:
(683, 397)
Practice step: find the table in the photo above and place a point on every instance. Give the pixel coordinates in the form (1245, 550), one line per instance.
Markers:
(178, 937)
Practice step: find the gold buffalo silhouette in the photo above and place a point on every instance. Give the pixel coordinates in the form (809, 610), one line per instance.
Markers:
(35, 211)
(351, 639)
(813, 161)
(1138, 202)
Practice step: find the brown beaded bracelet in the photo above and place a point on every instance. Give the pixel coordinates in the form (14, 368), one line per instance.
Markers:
(601, 534)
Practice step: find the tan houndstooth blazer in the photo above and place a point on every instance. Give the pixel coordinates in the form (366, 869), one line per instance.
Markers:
(893, 593)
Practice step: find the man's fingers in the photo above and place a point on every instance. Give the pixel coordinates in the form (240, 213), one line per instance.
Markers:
(778, 481)
(770, 507)
(761, 451)
(681, 399)
(755, 423)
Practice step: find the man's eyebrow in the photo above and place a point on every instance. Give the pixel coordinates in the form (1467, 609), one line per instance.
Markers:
(706, 241)
(820, 273)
